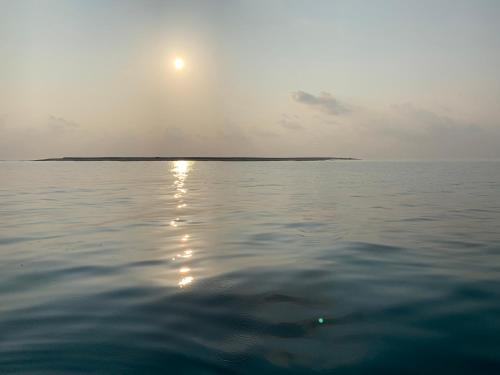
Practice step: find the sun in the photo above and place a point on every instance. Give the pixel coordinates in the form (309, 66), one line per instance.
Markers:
(179, 63)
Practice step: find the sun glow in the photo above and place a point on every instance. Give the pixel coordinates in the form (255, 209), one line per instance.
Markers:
(179, 63)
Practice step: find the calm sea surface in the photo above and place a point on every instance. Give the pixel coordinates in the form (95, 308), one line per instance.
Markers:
(250, 267)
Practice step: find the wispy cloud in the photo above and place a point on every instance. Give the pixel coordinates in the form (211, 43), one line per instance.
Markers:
(55, 123)
(421, 132)
(291, 122)
(434, 124)
(324, 102)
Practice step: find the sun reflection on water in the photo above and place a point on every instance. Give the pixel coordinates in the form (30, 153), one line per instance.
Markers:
(180, 170)
(185, 281)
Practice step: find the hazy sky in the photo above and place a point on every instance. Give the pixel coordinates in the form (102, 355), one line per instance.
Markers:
(370, 79)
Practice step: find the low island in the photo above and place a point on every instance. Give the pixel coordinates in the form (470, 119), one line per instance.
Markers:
(190, 158)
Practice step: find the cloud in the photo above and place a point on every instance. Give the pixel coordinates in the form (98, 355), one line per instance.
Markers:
(420, 132)
(432, 123)
(291, 122)
(325, 102)
(56, 124)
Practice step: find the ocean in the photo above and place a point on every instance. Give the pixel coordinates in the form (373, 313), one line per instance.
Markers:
(343, 267)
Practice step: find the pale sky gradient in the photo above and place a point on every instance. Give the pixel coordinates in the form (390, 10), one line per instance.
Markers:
(370, 79)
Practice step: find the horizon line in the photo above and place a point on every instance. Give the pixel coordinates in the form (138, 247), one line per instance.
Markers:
(194, 158)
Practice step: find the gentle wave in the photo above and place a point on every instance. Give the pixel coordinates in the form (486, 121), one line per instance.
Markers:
(238, 269)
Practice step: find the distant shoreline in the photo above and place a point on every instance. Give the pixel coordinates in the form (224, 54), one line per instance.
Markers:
(191, 158)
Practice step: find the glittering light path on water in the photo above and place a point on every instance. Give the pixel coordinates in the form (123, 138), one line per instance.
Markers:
(180, 171)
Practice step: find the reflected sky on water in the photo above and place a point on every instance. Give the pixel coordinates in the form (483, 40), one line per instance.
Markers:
(345, 267)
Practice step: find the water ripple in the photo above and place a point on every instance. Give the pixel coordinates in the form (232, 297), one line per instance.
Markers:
(346, 268)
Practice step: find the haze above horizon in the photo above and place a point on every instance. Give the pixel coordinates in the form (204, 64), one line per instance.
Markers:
(375, 80)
